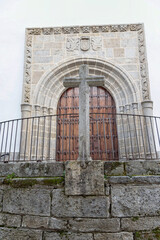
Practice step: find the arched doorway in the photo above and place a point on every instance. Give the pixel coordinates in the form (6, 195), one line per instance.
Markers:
(103, 130)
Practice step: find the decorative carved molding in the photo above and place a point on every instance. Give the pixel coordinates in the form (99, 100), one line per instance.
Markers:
(85, 29)
(135, 27)
(143, 65)
(27, 89)
(114, 28)
(47, 31)
(34, 31)
(123, 28)
(76, 29)
(67, 30)
(72, 44)
(95, 29)
(96, 43)
(105, 28)
(29, 41)
(57, 30)
(27, 73)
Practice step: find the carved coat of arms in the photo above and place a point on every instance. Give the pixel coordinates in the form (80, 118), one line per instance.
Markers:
(85, 43)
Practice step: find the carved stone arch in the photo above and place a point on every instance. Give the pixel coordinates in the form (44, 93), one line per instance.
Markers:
(117, 81)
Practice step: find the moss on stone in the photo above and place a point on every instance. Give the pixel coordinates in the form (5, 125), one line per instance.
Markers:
(114, 165)
(145, 235)
(156, 232)
(53, 181)
(134, 219)
(138, 235)
(29, 182)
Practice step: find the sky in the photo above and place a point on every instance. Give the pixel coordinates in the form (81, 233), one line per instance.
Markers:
(16, 15)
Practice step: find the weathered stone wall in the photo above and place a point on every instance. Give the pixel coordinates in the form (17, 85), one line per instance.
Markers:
(34, 205)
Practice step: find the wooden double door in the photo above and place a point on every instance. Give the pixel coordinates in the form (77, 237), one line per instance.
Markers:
(103, 130)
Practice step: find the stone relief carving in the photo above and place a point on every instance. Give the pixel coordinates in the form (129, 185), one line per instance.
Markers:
(29, 41)
(85, 29)
(27, 73)
(105, 28)
(34, 31)
(143, 66)
(123, 28)
(135, 27)
(76, 29)
(47, 31)
(67, 30)
(95, 29)
(72, 44)
(96, 43)
(114, 28)
(57, 30)
(27, 89)
(85, 43)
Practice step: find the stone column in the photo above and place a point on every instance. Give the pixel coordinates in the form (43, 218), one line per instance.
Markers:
(25, 131)
(147, 107)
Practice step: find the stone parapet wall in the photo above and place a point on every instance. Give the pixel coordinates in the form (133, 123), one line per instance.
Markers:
(35, 206)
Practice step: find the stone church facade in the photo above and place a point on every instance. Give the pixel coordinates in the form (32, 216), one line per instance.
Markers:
(116, 52)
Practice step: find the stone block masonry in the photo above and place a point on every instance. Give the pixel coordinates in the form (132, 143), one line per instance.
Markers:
(34, 204)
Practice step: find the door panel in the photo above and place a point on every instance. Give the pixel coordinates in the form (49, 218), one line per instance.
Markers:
(103, 131)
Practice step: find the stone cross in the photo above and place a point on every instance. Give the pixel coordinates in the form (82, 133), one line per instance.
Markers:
(83, 82)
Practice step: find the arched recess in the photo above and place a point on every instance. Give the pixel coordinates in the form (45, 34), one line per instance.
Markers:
(50, 87)
(103, 127)
(117, 82)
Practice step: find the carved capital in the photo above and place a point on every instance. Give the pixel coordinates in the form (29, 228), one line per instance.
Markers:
(26, 107)
(121, 109)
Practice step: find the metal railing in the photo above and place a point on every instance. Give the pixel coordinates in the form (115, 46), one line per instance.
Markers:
(55, 137)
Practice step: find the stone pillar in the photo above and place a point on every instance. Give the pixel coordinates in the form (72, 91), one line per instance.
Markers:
(150, 148)
(25, 131)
